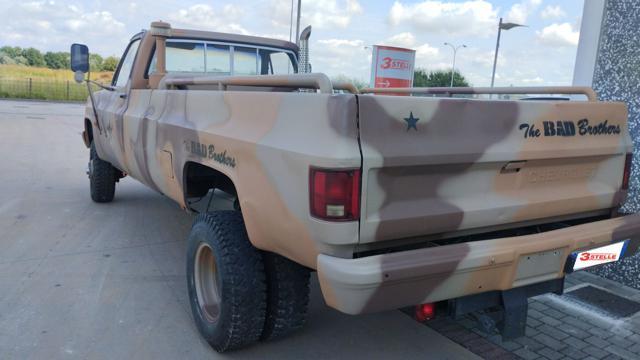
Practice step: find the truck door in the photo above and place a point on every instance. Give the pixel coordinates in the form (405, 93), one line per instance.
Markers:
(111, 106)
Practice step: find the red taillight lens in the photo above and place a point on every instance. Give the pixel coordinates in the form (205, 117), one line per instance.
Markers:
(335, 194)
(627, 171)
(425, 312)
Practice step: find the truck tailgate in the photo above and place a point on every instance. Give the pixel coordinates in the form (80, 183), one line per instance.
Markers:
(433, 166)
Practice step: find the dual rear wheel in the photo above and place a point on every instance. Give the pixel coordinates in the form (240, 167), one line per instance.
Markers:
(239, 294)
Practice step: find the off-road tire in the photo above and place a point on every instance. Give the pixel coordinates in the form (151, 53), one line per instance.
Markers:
(239, 272)
(287, 296)
(102, 178)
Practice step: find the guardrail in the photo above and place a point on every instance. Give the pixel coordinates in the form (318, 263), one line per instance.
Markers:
(43, 89)
(531, 90)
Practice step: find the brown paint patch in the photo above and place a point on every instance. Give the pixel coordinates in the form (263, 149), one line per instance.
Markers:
(479, 124)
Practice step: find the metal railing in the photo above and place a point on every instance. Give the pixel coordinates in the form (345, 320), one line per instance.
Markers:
(317, 81)
(449, 91)
(43, 89)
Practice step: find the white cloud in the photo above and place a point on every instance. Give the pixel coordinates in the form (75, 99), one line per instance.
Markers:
(95, 20)
(203, 16)
(321, 14)
(405, 39)
(535, 80)
(520, 12)
(476, 17)
(341, 56)
(484, 58)
(559, 35)
(552, 12)
(426, 53)
(51, 25)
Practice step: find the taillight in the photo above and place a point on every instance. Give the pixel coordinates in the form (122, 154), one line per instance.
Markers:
(425, 312)
(627, 171)
(335, 194)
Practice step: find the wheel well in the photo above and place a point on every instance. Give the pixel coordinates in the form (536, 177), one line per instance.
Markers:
(199, 179)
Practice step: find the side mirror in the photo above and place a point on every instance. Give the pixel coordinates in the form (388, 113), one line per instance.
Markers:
(79, 58)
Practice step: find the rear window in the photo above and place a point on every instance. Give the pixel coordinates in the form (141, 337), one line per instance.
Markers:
(245, 61)
(218, 59)
(221, 59)
(186, 57)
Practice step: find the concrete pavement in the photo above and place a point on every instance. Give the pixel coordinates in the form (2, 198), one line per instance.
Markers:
(86, 280)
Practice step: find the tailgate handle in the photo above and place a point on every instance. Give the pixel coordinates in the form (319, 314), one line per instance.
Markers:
(512, 167)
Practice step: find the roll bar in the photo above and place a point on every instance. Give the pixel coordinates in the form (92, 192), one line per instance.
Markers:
(568, 90)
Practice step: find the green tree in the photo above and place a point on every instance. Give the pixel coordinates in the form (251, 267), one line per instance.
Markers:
(110, 63)
(57, 60)
(12, 52)
(34, 57)
(95, 62)
(438, 78)
(21, 60)
(5, 59)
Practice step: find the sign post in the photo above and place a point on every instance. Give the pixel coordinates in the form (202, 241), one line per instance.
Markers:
(392, 67)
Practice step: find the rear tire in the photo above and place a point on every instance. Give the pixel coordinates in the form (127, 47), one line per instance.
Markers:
(287, 296)
(102, 178)
(226, 281)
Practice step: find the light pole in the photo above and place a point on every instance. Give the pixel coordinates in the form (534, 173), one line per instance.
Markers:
(501, 26)
(298, 22)
(291, 22)
(455, 50)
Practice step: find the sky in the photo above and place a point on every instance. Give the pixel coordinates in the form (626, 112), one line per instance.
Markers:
(543, 53)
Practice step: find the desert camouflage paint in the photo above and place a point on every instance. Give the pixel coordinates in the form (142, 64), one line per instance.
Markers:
(431, 168)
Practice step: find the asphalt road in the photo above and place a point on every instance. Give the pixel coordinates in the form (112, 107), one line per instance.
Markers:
(86, 280)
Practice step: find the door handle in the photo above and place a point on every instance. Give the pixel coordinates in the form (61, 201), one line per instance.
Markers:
(512, 167)
(122, 95)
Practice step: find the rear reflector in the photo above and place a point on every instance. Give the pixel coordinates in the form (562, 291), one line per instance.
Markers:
(627, 171)
(425, 312)
(335, 194)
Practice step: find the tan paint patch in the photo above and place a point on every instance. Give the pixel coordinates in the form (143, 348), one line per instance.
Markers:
(565, 175)
(270, 224)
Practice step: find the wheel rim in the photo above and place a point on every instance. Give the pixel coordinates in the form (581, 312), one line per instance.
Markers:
(206, 281)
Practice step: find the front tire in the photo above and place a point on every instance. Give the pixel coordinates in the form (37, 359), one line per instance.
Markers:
(226, 281)
(102, 178)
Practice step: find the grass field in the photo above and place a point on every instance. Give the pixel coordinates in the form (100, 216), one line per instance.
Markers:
(25, 82)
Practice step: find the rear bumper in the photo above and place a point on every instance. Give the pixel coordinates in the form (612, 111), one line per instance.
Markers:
(391, 281)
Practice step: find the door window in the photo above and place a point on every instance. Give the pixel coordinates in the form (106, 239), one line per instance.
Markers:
(124, 70)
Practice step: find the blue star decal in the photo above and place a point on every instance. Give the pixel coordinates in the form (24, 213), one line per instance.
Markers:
(411, 122)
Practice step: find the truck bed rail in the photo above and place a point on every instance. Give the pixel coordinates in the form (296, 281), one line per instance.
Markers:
(309, 81)
(566, 90)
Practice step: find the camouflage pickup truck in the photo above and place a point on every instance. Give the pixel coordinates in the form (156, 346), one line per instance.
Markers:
(446, 204)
